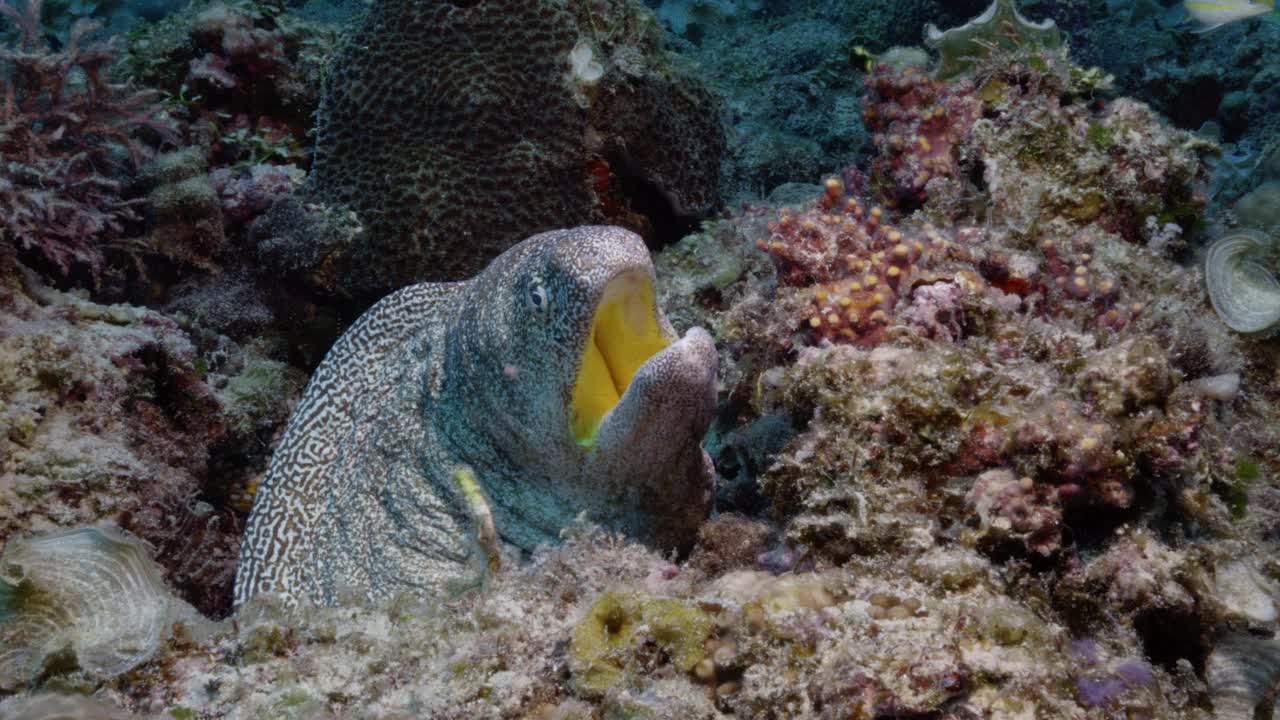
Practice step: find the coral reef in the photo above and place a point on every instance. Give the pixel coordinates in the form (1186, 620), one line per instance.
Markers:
(1040, 386)
(917, 122)
(1256, 209)
(600, 626)
(982, 446)
(187, 224)
(679, 15)
(246, 76)
(1001, 29)
(113, 412)
(1022, 161)
(791, 74)
(1221, 84)
(554, 115)
(68, 140)
(612, 628)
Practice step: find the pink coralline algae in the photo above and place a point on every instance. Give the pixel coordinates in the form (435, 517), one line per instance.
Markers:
(246, 194)
(917, 123)
(850, 271)
(1014, 507)
(68, 146)
(853, 266)
(1004, 138)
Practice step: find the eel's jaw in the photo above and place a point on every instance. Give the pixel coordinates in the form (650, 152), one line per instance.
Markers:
(625, 333)
(648, 456)
(675, 387)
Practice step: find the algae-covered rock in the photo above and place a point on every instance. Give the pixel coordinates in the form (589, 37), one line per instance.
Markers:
(1260, 208)
(118, 413)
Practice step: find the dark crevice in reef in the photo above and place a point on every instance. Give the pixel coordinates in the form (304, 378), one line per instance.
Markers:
(666, 225)
(1169, 635)
(1092, 527)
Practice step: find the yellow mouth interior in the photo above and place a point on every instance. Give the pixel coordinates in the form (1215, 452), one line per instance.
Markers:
(624, 335)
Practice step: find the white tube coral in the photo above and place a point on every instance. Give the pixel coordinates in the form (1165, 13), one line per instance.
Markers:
(1244, 291)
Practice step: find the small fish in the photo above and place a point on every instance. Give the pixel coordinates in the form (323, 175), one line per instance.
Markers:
(862, 58)
(1213, 14)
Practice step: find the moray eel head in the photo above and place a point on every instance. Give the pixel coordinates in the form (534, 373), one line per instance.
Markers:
(564, 361)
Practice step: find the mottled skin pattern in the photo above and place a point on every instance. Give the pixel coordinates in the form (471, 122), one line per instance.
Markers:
(359, 494)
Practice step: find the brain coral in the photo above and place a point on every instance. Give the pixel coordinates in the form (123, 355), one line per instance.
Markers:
(453, 129)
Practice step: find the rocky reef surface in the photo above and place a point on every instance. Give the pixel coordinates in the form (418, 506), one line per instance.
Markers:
(983, 447)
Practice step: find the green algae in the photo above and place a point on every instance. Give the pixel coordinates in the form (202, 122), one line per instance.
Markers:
(1100, 136)
(1246, 473)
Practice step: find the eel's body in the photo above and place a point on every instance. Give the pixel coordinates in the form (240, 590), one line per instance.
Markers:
(551, 374)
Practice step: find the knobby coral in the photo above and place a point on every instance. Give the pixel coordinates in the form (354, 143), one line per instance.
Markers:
(455, 130)
(67, 138)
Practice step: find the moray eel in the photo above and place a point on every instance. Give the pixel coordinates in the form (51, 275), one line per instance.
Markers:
(551, 375)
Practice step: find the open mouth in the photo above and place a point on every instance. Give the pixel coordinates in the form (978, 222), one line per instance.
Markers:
(624, 335)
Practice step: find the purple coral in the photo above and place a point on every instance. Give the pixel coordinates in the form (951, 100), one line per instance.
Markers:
(1105, 689)
(1134, 672)
(1096, 693)
(61, 195)
(247, 193)
(937, 309)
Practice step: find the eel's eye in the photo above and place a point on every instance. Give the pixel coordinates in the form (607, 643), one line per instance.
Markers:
(538, 298)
